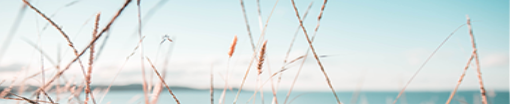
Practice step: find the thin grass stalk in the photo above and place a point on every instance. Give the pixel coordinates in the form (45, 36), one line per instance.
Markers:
(58, 10)
(257, 89)
(211, 89)
(313, 49)
(222, 96)
(163, 81)
(26, 99)
(111, 83)
(12, 31)
(120, 69)
(167, 58)
(1, 84)
(103, 44)
(452, 94)
(77, 93)
(57, 84)
(48, 58)
(296, 33)
(91, 62)
(88, 46)
(475, 51)
(247, 25)
(48, 96)
(255, 53)
(7, 90)
(296, 97)
(288, 53)
(424, 63)
(273, 90)
(355, 95)
(144, 83)
(462, 101)
(289, 50)
(295, 78)
(70, 43)
(259, 15)
(261, 90)
(21, 89)
(263, 32)
(244, 79)
(147, 16)
(42, 65)
(158, 87)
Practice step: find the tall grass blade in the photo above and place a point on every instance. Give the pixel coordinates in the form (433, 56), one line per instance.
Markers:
(424, 63)
(313, 49)
(163, 81)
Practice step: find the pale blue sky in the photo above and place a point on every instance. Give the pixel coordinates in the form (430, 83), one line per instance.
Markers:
(385, 41)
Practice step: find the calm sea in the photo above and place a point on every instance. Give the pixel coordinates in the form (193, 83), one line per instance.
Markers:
(297, 97)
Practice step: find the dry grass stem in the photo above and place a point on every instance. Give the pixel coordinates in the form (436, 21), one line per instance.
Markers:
(70, 43)
(91, 62)
(247, 25)
(227, 76)
(12, 31)
(41, 52)
(254, 54)
(163, 81)
(7, 90)
(144, 83)
(424, 63)
(211, 89)
(313, 49)
(475, 51)
(273, 89)
(259, 15)
(460, 79)
(289, 50)
(47, 96)
(2, 82)
(26, 99)
(88, 46)
(121, 68)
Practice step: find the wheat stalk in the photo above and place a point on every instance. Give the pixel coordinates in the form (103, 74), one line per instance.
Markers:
(262, 54)
(261, 57)
(91, 62)
(232, 46)
(231, 51)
